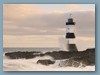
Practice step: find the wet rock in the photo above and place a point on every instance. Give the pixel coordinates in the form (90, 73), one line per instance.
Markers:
(19, 55)
(65, 63)
(45, 62)
(75, 64)
(69, 63)
(86, 57)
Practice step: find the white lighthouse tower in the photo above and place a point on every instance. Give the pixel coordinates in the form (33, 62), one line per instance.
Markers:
(70, 34)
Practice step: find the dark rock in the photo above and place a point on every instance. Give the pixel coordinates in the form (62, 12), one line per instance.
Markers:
(45, 62)
(18, 55)
(75, 64)
(57, 55)
(86, 57)
(65, 63)
(69, 62)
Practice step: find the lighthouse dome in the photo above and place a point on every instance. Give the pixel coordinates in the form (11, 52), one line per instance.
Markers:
(70, 22)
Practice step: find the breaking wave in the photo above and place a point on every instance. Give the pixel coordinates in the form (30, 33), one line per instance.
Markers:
(31, 65)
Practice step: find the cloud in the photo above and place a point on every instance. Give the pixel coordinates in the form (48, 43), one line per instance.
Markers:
(73, 6)
(79, 7)
(51, 24)
(26, 25)
(38, 22)
(30, 41)
(46, 41)
(57, 12)
(15, 11)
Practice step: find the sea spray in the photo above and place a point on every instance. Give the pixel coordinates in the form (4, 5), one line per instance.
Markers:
(31, 65)
(63, 43)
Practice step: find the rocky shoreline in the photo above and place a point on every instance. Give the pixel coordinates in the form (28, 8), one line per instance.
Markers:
(86, 57)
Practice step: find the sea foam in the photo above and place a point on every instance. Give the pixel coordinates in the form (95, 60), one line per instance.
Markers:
(31, 65)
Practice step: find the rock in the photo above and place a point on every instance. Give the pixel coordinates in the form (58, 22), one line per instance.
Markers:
(65, 63)
(45, 62)
(75, 64)
(69, 62)
(86, 57)
(59, 55)
(19, 55)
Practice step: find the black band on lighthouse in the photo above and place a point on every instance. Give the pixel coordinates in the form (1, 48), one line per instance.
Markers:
(70, 35)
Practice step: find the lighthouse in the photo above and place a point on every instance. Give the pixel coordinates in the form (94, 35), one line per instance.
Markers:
(70, 34)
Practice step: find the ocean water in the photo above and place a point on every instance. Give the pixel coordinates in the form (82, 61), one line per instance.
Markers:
(30, 49)
(31, 64)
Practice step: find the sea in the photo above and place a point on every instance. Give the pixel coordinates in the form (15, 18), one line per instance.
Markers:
(31, 64)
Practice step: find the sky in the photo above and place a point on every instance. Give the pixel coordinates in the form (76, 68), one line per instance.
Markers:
(43, 25)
